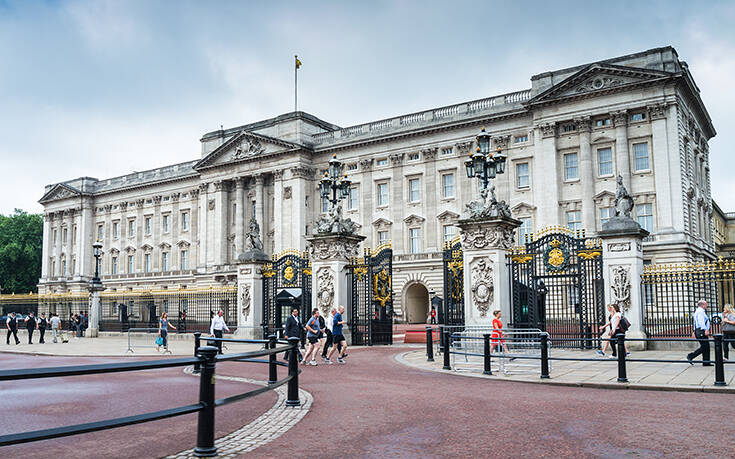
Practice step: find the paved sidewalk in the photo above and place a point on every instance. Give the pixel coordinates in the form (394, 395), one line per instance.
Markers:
(602, 372)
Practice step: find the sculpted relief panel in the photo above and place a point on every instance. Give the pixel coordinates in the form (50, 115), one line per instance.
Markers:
(325, 293)
(483, 288)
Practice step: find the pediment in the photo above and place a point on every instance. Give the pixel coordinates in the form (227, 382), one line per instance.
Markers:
(244, 146)
(58, 192)
(598, 79)
(114, 251)
(523, 207)
(382, 223)
(183, 244)
(602, 139)
(146, 247)
(164, 245)
(605, 197)
(447, 216)
(414, 219)
(130, 249)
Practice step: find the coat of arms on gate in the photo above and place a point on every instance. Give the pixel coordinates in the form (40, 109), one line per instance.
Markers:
(288, 272)
(381, 287)
(556, 257)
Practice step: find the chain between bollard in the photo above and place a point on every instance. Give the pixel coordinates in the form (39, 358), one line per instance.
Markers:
(487, 370)
(622, 373)
(429, 344)
(719, 362)
(197, 344)
(293, 371)
(447, 350)
(205, 424)
(544, 356)
(272, 362)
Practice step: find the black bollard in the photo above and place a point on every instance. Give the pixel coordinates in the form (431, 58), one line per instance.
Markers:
(447, 350)
(197, 344)
(544, 356)
(622, 374)
(719, 362)
(588, 336)
(429, 345)
(293, 371)
(272, 366)
(205, 424)
(487, 370)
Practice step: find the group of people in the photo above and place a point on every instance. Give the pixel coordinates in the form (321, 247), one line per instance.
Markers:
(701, 326)
(33, 323)
(325, 336)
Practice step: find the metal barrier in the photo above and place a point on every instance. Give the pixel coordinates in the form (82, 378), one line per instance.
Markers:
(142, 338)
(206, 357)
(515, 351)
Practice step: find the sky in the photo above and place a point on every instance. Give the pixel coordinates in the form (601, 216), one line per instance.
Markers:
(104, 88)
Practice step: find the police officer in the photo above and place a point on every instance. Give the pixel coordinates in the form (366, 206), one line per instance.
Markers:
(701, 332)
(42, 324)
(31, 325)
(12, 325)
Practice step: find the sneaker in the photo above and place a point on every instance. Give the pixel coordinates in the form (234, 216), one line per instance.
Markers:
(627, 354)
(313, 363)
(600, 353)
(613, 357)
(345, 356)
(340, 360)
(304, 362)
(329, 362)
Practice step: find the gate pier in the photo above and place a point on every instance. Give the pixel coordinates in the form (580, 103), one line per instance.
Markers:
(250, 294)
(485, 244)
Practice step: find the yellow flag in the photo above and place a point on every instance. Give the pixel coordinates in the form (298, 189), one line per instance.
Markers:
(298, 62)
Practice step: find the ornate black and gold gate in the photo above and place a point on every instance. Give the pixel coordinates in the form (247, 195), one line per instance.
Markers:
(370, 280)
(557, 286)
(286, 285)
(453, 311)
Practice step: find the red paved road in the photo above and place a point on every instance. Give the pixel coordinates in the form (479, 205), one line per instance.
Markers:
(385, 409)
(38, 404)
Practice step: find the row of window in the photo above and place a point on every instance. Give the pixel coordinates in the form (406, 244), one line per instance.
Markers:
(165, 257)
(603, 122)
(147, 226)
(605, 161)
(414, 237)
(64, 233)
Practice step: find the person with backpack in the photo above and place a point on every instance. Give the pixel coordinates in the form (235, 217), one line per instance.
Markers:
(31, 325)
(312, 334)
(42, 324)
(619, 324)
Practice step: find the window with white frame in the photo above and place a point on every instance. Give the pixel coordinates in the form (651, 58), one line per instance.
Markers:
(63, 236)
(571, 166)
(166, 222)
(414, 191)
(569, 127)
(381, 162)
(520, 138)
(164, 261)
(100, 231)
(604, 161)
(606, 213)
(523, 178)
(63, 267)
(525, 229)
(184, 259)
(640, 152)
(352, 167)
(131, 264)
(639, 116)
(353, 198)
(447, 151)
(414, 238)
(382, 237)
(603, 122)
(184, 221)
(147, 262)
(449, 231)
(448, 185)
(234, 214)
(115, 230)
(114, 265)
(148, 225)
(325, 204)
(382, 192)
(413, 156)
(131, 228)
(644, 214)
(574, 219)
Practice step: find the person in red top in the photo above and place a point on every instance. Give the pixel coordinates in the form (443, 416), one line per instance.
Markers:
(497, 333)
(433, 315)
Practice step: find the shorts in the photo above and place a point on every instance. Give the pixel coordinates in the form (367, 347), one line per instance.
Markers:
(320, 335)
(313, 339)
(337, 338)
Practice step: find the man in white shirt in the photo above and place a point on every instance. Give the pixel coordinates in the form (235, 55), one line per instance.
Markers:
(218, 327)
(55, 326)
(701, 332)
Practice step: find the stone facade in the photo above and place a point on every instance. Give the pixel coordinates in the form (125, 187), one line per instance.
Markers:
(567, 138)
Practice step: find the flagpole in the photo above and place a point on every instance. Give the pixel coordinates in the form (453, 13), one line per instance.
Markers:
(295, 84)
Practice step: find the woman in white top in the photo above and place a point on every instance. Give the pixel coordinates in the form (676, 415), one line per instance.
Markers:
(615, 329)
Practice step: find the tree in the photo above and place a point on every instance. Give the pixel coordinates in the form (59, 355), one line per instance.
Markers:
(21, 245)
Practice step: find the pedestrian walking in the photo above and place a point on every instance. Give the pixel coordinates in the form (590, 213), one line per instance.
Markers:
(322, 333)
(701, 332)
(312, 334)
(433, 316)
(31, 325)
(12, 325)
(218, 327)
(85, 323)
(42, 324)
(497, 333)
(728, 329)
(78, 324)
(163, 325)
(55, 326)
(293, 330)
(337, 336)
(611, 340)
(328, 330)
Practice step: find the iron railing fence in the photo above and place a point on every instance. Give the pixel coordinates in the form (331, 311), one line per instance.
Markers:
(205, 359)
(671, 292)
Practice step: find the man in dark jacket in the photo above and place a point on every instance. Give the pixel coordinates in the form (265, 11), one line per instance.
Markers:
(12, 325)
(42, 324)
(31, 325)
(293, 329)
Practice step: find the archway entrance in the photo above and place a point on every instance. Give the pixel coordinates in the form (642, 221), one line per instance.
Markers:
(417, 304)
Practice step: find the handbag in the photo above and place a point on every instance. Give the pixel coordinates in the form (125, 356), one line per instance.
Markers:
(159, 341)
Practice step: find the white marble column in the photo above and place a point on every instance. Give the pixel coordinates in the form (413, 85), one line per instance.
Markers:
(587, 175)
(239, 214)
(430, 200)
(278, 225)
(58, 219)
(398, 208)
(203, 226)
(221, 226)
(87, 230)
(545, 176)
(667, 175)
(485, 244)
(45, 248)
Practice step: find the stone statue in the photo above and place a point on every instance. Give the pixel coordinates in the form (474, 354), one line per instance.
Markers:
(487, 206)
(334, 223)
(252, 237)
(623, 201)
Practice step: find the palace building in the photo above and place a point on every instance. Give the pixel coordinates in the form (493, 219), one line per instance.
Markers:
(567, 138)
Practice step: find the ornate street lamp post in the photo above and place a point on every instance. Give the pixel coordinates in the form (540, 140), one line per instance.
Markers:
(97, 253)
(484, 164)
(334, 186)
(95, 287)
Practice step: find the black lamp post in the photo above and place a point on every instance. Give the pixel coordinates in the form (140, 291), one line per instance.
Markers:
(484, 164)
(334, 186)
(97, 254)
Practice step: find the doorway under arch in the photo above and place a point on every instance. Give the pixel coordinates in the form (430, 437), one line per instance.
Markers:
(416, 300)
